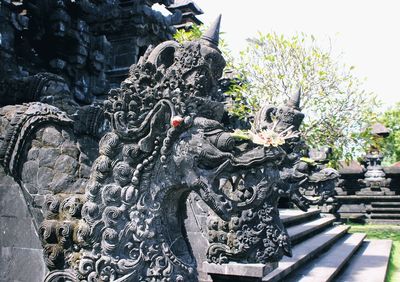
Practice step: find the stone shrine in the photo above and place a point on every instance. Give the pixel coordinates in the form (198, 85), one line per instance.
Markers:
(369, 191)
(86, 45)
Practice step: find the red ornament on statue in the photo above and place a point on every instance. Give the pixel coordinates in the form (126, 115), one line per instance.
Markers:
(176, 121)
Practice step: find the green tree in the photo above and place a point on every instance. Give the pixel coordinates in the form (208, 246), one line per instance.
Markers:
(194, 32)
(272, 67)
(390, 145)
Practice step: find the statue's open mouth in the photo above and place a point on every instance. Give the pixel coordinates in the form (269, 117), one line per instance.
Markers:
(240, 185)
(231, 189)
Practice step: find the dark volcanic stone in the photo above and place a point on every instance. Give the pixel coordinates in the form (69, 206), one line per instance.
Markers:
(48, 156)
(52, 137)
(84, 171)
(62, 182)
(79, 186)
(66, 164)
(31, 188)
(33, 153)
(70, 149)
(45, 176)
(30, 172)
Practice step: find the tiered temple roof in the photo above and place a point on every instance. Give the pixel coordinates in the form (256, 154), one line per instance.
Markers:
(189, 9)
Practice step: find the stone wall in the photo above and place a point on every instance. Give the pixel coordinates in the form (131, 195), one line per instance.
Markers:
(88, 44)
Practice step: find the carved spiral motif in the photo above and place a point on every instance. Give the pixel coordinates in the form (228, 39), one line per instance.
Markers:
(52, 204)
(71, 207)
(122, 173)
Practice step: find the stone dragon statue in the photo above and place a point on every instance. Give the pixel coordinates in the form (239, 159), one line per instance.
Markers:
(169, 140)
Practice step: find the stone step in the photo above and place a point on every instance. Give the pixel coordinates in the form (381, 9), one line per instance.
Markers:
(385, 204)
(305, 251)
(369, 198)
(293, 216)
(385, 215)
(385, 209)
(330, 263)
(300, 231)
(369, 264)
(383, 221)
(352, 215)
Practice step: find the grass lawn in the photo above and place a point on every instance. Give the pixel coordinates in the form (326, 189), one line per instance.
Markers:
(384, 232)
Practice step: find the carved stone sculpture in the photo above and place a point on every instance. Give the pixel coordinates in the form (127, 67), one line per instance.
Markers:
(168, 140)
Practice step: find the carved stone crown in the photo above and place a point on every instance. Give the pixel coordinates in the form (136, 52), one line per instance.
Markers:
(281, 117)
(184, 76)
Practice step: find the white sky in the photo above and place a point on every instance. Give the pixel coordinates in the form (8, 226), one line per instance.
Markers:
(365, 32)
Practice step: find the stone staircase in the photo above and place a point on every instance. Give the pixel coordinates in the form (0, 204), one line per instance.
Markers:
(323, 251)
(371, 208)
(386, 212)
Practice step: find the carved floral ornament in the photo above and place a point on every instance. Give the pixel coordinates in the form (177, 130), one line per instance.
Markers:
(167, 141)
